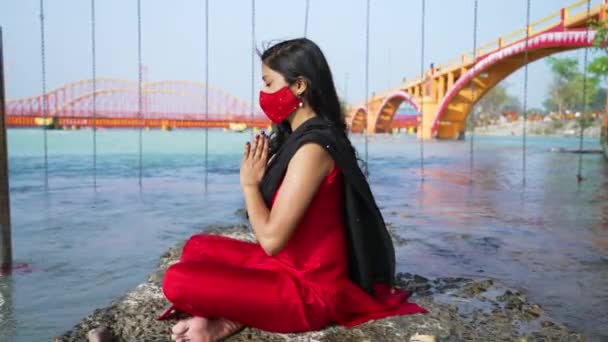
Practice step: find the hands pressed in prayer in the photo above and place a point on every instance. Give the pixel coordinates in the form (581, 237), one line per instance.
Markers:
(255, 158)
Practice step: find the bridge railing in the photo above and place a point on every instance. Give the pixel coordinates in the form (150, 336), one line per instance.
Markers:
(548, 22)
(577, 9)
(535, 27)
(580, 5)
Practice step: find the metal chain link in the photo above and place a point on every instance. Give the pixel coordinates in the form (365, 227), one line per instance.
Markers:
(579, 175)
(472, 91)
(94, 72)
(206, 94)
(139, 90)
(525, 102)
(365, 130)
(43, 101)
(252, 62)
(306, 18)
(422, 46)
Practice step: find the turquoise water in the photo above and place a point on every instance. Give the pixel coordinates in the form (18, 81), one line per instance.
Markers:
(86, 247)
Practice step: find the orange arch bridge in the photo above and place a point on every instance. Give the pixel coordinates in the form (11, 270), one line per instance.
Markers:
(446, 94)
(115, 102)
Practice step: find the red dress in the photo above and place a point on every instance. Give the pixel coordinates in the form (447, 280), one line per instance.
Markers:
(302, 288)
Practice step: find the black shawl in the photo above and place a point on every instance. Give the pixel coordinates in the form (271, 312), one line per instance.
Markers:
(371, 254)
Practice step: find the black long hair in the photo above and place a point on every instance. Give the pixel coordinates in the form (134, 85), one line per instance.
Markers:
(370, 249)
(297, 59)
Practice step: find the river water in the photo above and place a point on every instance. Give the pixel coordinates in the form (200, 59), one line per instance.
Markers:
(84, 248)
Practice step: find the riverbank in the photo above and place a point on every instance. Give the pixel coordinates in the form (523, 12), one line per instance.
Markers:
(541, 128)
(460, 309)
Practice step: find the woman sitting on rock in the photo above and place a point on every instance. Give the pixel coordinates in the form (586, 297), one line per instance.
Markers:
(324, 254)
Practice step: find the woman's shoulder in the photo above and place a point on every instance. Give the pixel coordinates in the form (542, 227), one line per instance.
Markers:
(313, 151)
(312, 156)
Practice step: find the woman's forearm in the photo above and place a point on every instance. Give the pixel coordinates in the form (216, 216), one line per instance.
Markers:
(259, 215)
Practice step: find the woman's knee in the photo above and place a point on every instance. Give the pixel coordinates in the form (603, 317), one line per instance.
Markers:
(196, 241)
(171, 282)
(202, 247)
(196, 246)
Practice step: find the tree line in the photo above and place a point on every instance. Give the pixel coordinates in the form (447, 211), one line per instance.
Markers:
(571, 90)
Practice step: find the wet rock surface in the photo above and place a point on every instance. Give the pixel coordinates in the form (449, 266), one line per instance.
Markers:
(460, 310)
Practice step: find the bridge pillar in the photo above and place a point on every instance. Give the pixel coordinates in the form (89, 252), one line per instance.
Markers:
(451, 131)
(429, 109)
(371, 122)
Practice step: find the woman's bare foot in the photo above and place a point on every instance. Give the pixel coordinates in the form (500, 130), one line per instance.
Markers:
(179, 330)
(99, 334)
(199, 329)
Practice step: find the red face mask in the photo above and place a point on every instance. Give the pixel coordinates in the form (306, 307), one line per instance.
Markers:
(278, 105)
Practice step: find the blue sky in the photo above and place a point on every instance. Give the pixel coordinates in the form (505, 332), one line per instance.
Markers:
(173, 39)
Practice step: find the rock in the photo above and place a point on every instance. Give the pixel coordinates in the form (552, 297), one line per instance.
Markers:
(533, 311)
(241, 213)
(477, 287)
(413, 283)
(157, 277)
(546, 324)
(513, 300)
(459, 310)
(420, 279)
(422, 338)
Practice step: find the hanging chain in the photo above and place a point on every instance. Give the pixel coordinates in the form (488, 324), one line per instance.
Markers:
(206, 93)
(44, 99)
(579, 175)
(366, 88)
(472, 91)
(306, 18)
(524, 147)
(94, 71)
(421, 116)
(252, 62)
(139, 90)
